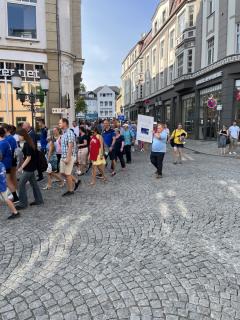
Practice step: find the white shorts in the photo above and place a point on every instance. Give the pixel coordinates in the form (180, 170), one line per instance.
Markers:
(4, 196)
(67, 168)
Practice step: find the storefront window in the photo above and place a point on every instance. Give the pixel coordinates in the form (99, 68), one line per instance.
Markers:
(210, 118)
(188, 113)
(237, 100)
(22, 21)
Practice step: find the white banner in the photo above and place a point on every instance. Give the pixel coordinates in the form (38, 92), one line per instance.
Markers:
(145, 128)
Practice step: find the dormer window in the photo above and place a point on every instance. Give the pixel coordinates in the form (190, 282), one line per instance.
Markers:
(164, 16)
(155, 27)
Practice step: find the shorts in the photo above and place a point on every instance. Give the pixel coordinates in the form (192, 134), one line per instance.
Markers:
(233, 141)
(112, 155)
(67, 168)
(178, 145)
(4, 196)
(83, 156)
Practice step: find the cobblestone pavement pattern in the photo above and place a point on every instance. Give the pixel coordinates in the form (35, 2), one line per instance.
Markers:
(135, 248)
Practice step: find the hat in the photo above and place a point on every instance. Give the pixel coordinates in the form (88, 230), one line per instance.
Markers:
(125, 125)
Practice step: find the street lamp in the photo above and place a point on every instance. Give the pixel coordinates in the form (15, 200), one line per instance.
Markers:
(30, 97)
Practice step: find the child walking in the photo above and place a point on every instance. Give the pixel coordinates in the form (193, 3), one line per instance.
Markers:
(3, 191)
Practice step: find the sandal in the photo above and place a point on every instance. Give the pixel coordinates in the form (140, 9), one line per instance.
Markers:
(47, 188)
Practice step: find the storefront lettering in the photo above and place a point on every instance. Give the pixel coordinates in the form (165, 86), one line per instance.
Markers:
(209, 78)
(24, 73)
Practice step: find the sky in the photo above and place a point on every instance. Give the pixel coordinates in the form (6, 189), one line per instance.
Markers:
(110, 28)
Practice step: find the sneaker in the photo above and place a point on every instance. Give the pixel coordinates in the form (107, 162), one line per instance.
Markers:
(77, 185)
(99, 176)
(230, 152)
(14, 216)
(15, 201)
(158, 176)
(79, 172)
(34, 203)
(68, 193)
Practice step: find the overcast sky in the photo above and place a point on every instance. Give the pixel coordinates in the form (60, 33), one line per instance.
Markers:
(110, 28)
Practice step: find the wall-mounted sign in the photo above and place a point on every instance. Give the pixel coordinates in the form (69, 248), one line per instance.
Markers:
(209, 78)
(24, 73)
(212, 103)
(58, 110)
(28, 71)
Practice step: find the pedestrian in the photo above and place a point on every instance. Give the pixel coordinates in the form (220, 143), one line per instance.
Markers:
(178, 140)
(68, 157)
(3, 191)
(27, 170)
(166, 129)
(119, 148)
(222, 142)
(233, 132)
(58, 145)
(82, 144)
(12, 172)
(7, 155)
(96, 155)
(43, 135)
(75, 128)
(128, 141)
(109, 141)
(33, 135)
(159, 146)
(52, 162)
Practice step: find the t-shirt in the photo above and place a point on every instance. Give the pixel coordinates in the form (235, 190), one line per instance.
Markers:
(234, 131)
(6, 152)
(29, 151)
(13, 143)
(108, 137)
(3, 181)
(159, 145)
(67, 138)
(76, 131)
(128, 136)
(80, 140)
(118, 143)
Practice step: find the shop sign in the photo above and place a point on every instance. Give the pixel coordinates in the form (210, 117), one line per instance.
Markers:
(212, 103)
(58, 110)
(209, 78)
(24, 73)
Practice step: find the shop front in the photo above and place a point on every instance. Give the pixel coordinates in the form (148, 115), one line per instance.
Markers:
(11, 109)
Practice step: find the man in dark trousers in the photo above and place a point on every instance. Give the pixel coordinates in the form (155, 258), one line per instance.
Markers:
(43, 135)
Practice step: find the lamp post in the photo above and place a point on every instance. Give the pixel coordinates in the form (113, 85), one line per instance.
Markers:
(31, 97)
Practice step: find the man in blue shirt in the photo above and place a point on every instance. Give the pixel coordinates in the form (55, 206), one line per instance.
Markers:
(43, 135)
(109, 141)
(128, 140)
(159, 147)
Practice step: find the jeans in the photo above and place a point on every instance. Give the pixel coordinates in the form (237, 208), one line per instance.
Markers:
(25, 177)
(157, 161)
(127, 150)
(119, 155)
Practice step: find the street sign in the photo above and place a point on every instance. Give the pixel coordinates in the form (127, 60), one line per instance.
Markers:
(121, 117)
(58, 110)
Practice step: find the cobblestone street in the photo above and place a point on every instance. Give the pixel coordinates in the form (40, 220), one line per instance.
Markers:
(134, 248)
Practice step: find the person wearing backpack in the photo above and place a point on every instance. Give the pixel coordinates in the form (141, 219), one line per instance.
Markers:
(27, 170)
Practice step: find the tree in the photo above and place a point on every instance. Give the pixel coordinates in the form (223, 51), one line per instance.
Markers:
(80, 106)
(83, 88)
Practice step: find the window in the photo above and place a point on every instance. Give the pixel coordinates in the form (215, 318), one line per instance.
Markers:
(147, 63)
(191, 16)
(164, 16)
(154, 84)
(101, 103)
(110, 103)
(141, 66)
(180, 65)
(22, 20)
(20, 121)
(154, 57)
(190, 60)
(181, 23)
(238, 39)
(106, 103)
(210, 7)
(1, 120)
(170, 74)
(161, 80)
(171, 41)
(161, 49)
(155, 27)
(210, 46)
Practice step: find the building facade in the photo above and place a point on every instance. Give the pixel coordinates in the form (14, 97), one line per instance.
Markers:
(38, 34)
(106, 101)
(186, 69)
(90, 98)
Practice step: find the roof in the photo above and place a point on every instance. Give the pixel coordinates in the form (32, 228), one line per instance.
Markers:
(113, 88)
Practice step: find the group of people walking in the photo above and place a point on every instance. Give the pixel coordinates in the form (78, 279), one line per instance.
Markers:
(61, 148)
(228, 137)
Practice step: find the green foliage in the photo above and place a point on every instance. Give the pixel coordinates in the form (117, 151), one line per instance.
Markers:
(83, 88)
(80, 106)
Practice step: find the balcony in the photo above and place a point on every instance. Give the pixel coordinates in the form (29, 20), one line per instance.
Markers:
(186, 35)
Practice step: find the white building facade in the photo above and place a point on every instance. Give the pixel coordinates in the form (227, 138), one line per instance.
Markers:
(106, 101)
(36, 34)
(190, 56)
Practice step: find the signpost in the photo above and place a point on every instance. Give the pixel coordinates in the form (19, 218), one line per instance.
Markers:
(58, 110)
